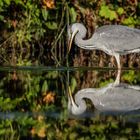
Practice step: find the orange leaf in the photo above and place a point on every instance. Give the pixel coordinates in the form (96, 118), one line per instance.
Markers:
(14, 76)
(32, 131)
(49, 97)
(49, 4)
(14, 23)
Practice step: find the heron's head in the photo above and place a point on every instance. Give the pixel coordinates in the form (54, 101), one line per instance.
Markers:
(75, 109)
(77, 30)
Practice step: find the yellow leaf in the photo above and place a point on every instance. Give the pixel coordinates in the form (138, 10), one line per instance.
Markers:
(40, 118)
(41, 132)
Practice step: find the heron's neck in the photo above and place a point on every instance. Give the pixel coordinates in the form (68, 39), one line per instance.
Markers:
(89, 44)
(91, 94)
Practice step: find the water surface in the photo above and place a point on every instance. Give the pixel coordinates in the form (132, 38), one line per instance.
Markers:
(34, 104)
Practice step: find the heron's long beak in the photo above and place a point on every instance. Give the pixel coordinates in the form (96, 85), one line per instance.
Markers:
(70, 96)
(71, 39)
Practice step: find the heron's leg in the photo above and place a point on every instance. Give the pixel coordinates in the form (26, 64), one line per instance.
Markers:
(117, 81)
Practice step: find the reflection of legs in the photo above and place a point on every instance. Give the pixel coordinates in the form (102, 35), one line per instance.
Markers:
(117, 81)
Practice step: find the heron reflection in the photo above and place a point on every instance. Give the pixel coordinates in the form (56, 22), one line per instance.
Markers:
(114, 40)
(120, 98)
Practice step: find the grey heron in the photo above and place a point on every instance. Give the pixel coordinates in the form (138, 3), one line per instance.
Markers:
(114, 40)
(120, 98)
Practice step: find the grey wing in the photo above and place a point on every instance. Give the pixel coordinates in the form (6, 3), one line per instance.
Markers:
(118, 38)
(119, 99)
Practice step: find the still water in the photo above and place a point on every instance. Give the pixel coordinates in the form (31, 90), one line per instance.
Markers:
(34, 104)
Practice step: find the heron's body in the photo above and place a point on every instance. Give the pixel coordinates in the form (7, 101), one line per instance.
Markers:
(110, 98)
(121, 39)
(111, 39)
(119, 98)
(114, 40)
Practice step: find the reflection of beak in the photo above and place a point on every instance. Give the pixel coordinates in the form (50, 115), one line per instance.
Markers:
(71, 39)
(70, 96)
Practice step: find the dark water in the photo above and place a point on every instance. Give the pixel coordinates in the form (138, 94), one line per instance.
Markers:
(34, 104)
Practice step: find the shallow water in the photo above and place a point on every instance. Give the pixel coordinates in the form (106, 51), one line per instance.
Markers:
(34, 104)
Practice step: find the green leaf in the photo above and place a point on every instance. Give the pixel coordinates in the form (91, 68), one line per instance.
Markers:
(104, 11)
(37, 88)
(107, 13)
(1, 4)
(7, 100)
(113, 15)
(120, 10)
(114, 124)
(7, 2)
(73, 135)
(2, 131)
(1, 18)
(17, 1)
(102, 84)
(129, 21)
(52, 25)
(45, 14)
(44, 86)
(73, 14)
(128, 130)
(52, 74)
(129, 76)
(73, 84)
